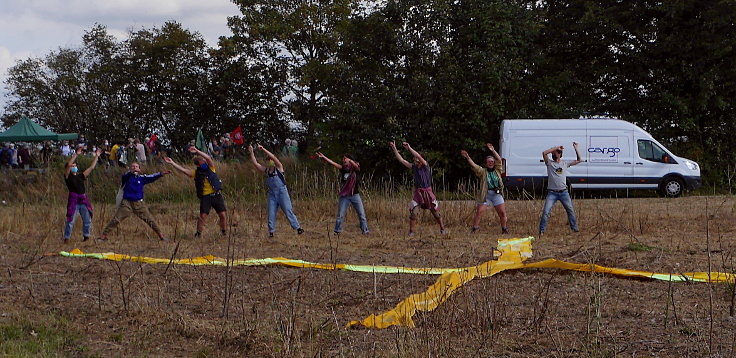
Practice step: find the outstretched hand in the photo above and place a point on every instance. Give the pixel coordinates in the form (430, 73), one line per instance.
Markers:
(168, 160)
(250, 148)
(164, 172)
(464, 153)
(406, 145)
(98, 152)
(392, 144)
(490, 146)
(260, 147)
(321, 156)
(79, 150)
(193, 149)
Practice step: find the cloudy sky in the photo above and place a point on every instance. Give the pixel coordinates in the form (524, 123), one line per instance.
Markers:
(36, 27)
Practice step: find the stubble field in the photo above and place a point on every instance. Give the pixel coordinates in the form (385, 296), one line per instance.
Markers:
(57, 306)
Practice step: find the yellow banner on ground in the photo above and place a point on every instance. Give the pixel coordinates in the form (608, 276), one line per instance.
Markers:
(511, 255)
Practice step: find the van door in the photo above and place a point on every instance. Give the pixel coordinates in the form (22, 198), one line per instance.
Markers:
(610, 160)
(651, 164)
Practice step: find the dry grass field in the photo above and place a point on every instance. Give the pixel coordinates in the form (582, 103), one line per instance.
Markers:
(57, 306)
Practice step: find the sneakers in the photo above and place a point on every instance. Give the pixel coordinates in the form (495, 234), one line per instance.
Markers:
(299, 231)
(575, 230)
(163, 239)
(66, 240)
(366, 232)
(411, 233)
(474, 229)
(270, 234)
(541, 233)
(504, 230)
(444, 232)
(84, 238)
(223, 232)
(197, 234)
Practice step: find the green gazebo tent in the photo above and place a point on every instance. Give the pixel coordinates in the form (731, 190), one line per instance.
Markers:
(27, 130)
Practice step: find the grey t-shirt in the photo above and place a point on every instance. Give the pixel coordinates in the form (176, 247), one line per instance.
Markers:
(557, 174)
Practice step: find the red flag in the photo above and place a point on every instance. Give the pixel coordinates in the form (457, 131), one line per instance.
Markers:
(237, 136)
(152, 142)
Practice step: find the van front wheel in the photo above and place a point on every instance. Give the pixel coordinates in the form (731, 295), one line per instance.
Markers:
(672, 187)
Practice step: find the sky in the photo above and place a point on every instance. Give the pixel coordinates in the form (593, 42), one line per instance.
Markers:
(33, 28)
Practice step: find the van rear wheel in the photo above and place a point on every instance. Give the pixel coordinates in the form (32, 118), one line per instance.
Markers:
(672, 187)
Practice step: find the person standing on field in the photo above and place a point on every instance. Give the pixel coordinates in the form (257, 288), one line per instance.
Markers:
(133, 183)
(77, 201)
(423, 195)
(349, 191)
(208, 186)
(557, 185)
(491, 188)
(278, 194)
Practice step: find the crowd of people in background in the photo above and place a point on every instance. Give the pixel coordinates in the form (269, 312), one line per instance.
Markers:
(118, 153)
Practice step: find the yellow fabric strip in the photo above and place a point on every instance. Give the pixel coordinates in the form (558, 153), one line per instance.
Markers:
(511, 255)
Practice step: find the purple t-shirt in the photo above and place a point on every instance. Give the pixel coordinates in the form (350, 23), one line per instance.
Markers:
(422, 176)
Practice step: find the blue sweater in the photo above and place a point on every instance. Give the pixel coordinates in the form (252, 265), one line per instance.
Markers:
(133, 185)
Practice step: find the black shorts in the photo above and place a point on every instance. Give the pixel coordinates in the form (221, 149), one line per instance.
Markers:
(212, 201)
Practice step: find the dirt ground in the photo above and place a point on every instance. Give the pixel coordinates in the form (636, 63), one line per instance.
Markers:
(104, 308)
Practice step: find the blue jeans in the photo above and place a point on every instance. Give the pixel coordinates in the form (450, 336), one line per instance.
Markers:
(86, 221)
(552, 198)
(280, 198)
(342, 206)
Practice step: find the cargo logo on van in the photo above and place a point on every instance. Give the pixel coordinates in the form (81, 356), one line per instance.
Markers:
(612, 151)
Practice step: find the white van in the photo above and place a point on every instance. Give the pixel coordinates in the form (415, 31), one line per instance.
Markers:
(616, 154)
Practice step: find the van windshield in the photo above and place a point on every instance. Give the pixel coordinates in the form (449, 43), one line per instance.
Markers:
(651, 151)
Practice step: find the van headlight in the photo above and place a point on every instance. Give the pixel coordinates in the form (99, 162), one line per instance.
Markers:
(691, 165)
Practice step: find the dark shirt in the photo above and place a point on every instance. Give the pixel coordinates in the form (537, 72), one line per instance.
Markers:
(75, 183)
(422, 176)
(25, 156)
(349, 181)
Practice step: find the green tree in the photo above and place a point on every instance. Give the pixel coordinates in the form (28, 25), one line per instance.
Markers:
(299, 39)
(167, 73)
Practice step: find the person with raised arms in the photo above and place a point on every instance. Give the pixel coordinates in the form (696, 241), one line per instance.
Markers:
(491, 188)
(208, 186)
(349, 191)
(132, 184)
(78, 202)
(423, 195)
(557, 185)
(278, 194)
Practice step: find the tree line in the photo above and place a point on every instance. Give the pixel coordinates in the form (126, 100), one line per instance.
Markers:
(351, 75)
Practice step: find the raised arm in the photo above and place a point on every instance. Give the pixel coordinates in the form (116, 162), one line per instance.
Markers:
(398, 155)
(271, 156)
(467, 157)
(494, 152)
(545, 154)
(253, 160)
(328, 160)
(207, 158)
(579, 159)
(178, 167)
(94, 163)
(416, 154)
